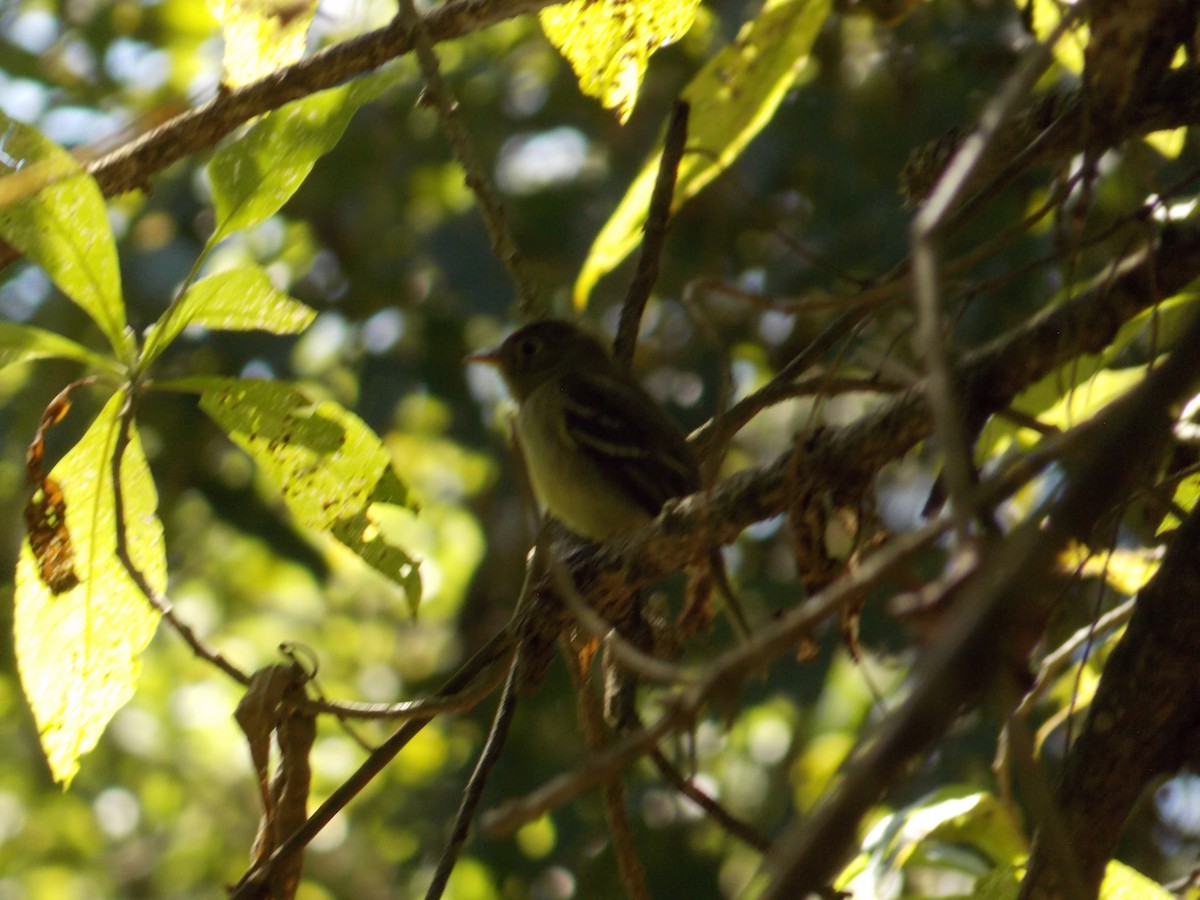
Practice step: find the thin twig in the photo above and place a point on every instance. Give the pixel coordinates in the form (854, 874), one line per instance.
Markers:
(732, 666)
(504, 247)
(481, 665)
(1055, 662)
(623, 651)
(945, 403)
(633, 876)
(657, 217)
(407, 709)
(473, 792)
(712, 438)
(157, 600)
(743, 831)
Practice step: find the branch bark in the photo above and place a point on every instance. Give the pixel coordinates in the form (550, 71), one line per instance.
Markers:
(845, 460)
(130, 166)
(1141, 724)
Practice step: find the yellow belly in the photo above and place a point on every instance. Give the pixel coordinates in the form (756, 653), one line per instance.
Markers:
(567, 483)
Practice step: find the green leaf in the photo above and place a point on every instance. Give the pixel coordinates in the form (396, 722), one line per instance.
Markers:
(78, 651)
(330, 467)
(1045, 16)
(609, 42)
(53, 212)
(1185, 497)
(24, 343)
(254, 176)
(1123, 883)
(952, 816)
(261, 35)
(732, 99)
(1002, 883)
(1065, 397)
(234, 300)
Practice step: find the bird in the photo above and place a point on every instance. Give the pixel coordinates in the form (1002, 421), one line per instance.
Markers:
(603, 457)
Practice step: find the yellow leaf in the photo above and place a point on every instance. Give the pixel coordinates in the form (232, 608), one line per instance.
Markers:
(1045, 16)
(609, 42)
(732, 99)
(78, 651)
(261, 35)
(1168, 143)
(1123, 883)
(1126, 569)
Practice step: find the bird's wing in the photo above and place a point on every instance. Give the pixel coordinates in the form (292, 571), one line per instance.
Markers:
(629, 438)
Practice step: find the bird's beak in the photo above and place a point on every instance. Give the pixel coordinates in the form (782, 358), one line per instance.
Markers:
(487, 357)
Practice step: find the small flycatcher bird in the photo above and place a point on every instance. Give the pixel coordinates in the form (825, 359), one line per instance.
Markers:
(603, 457)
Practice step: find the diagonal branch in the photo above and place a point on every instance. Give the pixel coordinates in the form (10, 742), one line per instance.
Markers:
(847, 458)
(130, 166)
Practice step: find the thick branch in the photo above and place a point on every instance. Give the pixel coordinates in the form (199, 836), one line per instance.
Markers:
(1141, 721)
(1052, 128)
(131, 165)
(846, 459)
(1001, 602)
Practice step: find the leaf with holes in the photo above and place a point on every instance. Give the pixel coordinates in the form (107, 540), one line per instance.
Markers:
(330, 467)
(78, 650)
(609, 42)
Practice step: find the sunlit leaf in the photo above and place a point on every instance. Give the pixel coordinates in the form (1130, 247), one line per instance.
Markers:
(330, 467)
(1126, 569)
(261, 35)
(78, 651)
(1186, 495)
(1045, 17)
(234, 300)
(53, 212)
(1169, 143)
(920, 834)
(1063, 397)
(609, 42)
(732, 98)
(24, 343)
(1124, 883)
(255, 175)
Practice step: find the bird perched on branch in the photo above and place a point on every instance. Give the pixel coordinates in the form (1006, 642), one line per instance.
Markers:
(603, 457)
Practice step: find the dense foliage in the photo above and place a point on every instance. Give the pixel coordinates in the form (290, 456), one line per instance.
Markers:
(936, 518)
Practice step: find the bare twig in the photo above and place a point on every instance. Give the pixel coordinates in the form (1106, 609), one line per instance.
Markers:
(426, 707)
(657, 217)
(637, 662)
(743, 831)
(942, 392)
(633, 877)
(767, 643)
(504, 247)
(157, 600)
(712, 438)
(472, 794)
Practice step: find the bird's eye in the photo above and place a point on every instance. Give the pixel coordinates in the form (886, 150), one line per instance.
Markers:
(528, 347)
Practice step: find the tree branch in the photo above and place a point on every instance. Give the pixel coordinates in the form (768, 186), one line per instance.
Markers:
(846, 459)
(1139, 725)
(130, 166)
